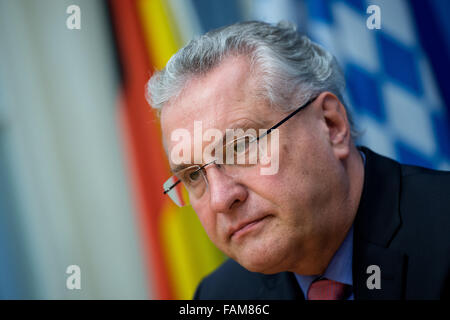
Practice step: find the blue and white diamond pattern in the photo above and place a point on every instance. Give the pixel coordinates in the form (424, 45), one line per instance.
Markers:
(391, 89)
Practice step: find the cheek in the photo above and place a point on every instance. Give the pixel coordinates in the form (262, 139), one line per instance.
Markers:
(209, 222)
(302, 179)
(292, 174)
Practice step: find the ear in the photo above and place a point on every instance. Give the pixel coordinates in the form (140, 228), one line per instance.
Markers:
(337, 124)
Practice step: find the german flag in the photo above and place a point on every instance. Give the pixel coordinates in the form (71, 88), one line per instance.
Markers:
(177, 251)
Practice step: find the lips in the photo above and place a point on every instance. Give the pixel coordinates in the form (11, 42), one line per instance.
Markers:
(244, 226)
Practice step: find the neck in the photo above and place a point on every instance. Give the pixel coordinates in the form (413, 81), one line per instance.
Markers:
(355, 169)
(345, 216)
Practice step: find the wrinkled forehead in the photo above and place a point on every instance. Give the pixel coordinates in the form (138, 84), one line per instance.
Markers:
(214, 119)
(224, 98)
(187, 116)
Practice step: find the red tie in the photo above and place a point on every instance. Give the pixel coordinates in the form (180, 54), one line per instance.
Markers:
(327, 290)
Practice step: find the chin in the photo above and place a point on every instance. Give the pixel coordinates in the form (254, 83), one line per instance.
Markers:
(264, 267)
(261, 261)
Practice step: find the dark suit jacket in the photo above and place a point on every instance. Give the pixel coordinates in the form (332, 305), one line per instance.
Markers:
(402, 225)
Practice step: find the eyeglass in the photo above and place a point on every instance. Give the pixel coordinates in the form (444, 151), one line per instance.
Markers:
(192, 181)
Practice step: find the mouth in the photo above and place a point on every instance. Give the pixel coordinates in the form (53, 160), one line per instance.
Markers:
(246, 227)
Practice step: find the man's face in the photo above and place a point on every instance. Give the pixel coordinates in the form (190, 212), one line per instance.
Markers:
(267, 223)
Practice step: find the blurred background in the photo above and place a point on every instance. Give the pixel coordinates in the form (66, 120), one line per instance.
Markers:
(81, 163)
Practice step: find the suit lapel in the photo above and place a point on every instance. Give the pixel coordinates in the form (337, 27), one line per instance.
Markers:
(376, 223)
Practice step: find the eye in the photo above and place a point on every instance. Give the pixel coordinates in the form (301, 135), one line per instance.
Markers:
(241, 145)
(191, 176)
(194, 175)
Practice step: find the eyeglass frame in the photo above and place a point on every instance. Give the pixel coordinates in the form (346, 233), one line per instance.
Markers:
(278, 124)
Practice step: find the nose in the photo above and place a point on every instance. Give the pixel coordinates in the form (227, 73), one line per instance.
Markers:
(224, 191)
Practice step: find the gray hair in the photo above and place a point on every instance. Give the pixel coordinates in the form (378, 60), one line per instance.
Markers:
(292, 68)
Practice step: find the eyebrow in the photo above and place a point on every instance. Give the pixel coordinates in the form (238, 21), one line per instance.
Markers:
(180, 167)
(244, 124)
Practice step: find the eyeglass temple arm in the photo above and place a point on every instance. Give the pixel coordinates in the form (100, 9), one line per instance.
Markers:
(171, 187)
(286, 119)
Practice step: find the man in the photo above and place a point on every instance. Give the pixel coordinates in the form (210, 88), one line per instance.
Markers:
(334, 221)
